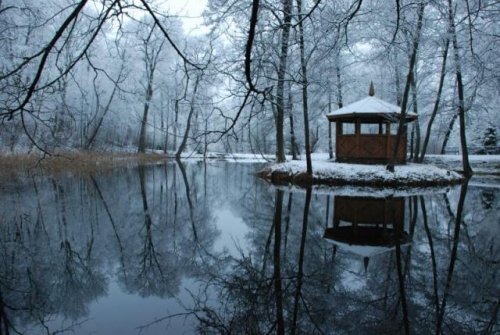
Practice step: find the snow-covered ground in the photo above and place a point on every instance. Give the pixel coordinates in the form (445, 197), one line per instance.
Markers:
(231, 157)
(490, 163)
(328, 172)
(481, 164)
(437, 170)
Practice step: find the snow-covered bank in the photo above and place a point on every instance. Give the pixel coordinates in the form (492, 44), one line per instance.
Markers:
(481, 164)
(230, 157)
(331, 173)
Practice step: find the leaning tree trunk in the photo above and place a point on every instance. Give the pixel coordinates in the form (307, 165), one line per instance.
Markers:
(460, 87)
(436, 103)
(409, 79)
(182, 146)
(448, 133)
(280, 144)
(90, 139)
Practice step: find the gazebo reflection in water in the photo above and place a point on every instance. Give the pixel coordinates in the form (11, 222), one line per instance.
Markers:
(367, 226)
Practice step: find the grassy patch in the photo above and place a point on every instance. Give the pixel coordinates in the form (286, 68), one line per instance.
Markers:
(78, 162)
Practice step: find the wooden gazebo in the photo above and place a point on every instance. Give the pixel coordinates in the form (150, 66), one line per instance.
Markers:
(366, 131)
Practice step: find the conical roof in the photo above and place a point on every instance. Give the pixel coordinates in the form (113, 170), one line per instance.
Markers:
(370, 107)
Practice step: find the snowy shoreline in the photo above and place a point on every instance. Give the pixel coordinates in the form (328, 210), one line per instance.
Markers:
(332, 173)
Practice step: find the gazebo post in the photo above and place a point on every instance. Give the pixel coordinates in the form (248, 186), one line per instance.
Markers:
(358, 133)
(387, 140)
(338, 132)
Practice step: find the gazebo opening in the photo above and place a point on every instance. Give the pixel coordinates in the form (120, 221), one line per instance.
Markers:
(366, 130)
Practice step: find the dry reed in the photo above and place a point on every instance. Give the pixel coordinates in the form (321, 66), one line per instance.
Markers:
(75, 162)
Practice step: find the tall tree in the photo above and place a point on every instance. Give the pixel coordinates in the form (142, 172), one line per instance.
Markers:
(192, 105)
(305, 108)
(409, 79)
(467, 170)
(282, 67)
(437, 101)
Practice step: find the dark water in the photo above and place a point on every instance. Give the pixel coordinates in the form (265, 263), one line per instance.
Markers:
(211, 249)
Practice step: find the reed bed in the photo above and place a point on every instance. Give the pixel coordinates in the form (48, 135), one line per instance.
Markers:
(73, 162)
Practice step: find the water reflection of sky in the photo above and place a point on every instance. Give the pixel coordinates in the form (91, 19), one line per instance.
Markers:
(233, 231)
(180, 249)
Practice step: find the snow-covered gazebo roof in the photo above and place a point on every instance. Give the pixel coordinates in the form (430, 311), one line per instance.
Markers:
(370, 108)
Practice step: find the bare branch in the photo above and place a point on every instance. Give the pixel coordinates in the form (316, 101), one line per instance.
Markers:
(46, 52)
(307, 15)
(167, 36)
(398, 14)
(248, 48)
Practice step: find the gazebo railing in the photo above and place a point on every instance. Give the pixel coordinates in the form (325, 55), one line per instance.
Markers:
(369, 148)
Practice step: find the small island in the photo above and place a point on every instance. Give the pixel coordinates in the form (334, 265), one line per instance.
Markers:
(365, 140)
(327, 172)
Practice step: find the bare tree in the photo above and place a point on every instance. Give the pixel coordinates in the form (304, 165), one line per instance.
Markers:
(100, 112)
(467, 170)
(192, 106)
(409, 79)
(437, 101)
(305, 106)
(151, 58)
(283, 58)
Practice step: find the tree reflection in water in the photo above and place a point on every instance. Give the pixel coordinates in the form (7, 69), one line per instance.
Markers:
(404, 290)
(150, 231)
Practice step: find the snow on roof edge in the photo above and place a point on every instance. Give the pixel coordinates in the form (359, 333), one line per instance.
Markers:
(369, 105)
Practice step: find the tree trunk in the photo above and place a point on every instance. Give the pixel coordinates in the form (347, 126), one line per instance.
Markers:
(278, 290)
(142, 134)
(330, 145)
(416, 149)
(182, 146)
(453, 257)
(461, 99)
(409, 79)
(300, 271)
(305, 107)
(166, 128)
(433, 257)
(292, 130)
(436, 103)
(280, 145)
(176, 123)
(90, 140)
(448, 133)
(398, 82)
(401, 280)
(340, 100)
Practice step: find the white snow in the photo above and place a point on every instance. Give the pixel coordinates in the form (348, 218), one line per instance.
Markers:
(369, 105)
(230, 157)
(363, 250)
(324, 170)
(472, 158)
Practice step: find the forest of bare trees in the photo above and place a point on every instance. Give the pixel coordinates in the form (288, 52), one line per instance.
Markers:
(124, 75)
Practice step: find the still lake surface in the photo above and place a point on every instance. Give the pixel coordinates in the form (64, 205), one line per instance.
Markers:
(210, 248)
